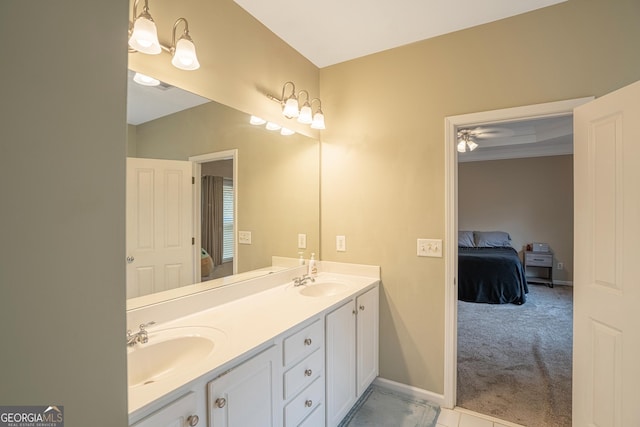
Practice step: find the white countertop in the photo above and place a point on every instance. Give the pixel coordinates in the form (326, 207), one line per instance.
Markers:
(245, 324)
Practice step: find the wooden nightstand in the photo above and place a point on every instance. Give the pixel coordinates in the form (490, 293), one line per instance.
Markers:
(537, 263)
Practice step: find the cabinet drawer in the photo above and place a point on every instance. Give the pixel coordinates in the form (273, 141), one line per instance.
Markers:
(303, 374)
(300, 407)
(302, 343)
(315, 419)
(538, 260)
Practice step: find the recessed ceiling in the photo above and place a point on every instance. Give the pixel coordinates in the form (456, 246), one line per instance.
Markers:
(539, 137)
(328, 32)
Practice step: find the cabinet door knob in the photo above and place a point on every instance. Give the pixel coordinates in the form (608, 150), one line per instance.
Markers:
(220, 402)
(362, 308)
(354, 311)
(308, 372)
(130, 259)
(308, 403)
(193, 420)
(307, 341)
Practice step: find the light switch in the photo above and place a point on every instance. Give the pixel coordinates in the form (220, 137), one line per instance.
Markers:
(302, 241)
(430, 247)
(341, 243)
(244, 237)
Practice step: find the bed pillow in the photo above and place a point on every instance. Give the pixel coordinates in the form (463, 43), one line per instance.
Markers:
(465, 239)
(491, 239)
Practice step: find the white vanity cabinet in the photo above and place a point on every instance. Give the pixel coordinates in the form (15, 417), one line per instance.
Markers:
(351, 353)
(303, 375)
(247, 394)
(182, 412)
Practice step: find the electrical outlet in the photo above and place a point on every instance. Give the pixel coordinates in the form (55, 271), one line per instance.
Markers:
(244, 237)
(341, 243)
(302, 241)
(560, 265)
(430, 247)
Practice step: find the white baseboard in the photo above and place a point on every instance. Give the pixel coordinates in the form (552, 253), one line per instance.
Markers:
(407, 390)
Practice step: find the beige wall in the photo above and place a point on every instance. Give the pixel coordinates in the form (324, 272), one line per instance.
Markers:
(531, 199)
(63, 131)
(278, 178)
(383, 154)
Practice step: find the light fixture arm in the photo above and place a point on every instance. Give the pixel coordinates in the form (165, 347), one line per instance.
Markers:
(293, 91)
(185, 33)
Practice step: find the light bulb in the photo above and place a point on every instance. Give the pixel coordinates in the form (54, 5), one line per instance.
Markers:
(286, 132)
(318, 120)
(144, 37)
(290, 109)
(273, 126)
(144, 80)
(472, 145)
(184, 56)
(462, 146)
(305, 114)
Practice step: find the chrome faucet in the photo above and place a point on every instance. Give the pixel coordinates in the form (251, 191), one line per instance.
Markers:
(142, 336)
(299, 281)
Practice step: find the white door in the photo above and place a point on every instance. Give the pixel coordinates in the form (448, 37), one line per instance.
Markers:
(606, 371)
(159, 225)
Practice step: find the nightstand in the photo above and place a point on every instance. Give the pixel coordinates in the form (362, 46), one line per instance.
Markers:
(537, 263)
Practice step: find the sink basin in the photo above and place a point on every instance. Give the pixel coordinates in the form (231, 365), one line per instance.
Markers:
(170, 352)
(323, 289)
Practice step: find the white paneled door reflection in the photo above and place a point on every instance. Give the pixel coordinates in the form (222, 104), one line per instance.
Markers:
(159, 225)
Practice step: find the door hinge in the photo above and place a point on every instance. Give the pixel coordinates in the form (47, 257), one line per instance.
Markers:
(193, 240)
(193, 180)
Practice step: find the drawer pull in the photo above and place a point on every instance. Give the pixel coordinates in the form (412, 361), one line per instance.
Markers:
(193, 420)
(308, 372)
(307, 341)
(354, 312)
(220, 402)
(308, 403)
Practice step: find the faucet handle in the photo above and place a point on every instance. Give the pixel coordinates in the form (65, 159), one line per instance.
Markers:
(143, 326)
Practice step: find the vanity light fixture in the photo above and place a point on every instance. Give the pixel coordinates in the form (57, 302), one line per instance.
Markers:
(143, 38)
(465, 141)
(291, 106)
(257, 121)
(286, 132)
(273, 126)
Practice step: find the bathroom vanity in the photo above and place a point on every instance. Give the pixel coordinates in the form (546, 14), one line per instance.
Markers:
(263, 352)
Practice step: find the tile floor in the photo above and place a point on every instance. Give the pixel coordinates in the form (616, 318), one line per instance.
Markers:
(459, 417)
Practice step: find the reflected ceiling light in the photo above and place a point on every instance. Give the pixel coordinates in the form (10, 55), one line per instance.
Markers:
(286, 132)
(257, 120)
(465, 141)
(143, 38)
(145, 80)
(273, 126)
(291, 107)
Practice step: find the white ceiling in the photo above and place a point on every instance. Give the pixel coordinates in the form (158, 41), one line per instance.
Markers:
(328, 32)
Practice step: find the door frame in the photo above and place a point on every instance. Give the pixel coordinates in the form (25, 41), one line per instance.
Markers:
(197, 188)
(452, 124)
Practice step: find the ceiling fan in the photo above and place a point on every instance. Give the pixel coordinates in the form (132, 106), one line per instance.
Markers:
(467, 137)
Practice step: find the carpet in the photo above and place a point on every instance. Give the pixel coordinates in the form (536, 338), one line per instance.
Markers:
(515, 361)
(381, 407)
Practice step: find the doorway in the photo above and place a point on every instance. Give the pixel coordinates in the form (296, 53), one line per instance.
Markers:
(223, 165)
(452, 125)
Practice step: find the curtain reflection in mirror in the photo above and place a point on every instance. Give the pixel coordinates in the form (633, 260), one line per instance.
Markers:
(217, 224)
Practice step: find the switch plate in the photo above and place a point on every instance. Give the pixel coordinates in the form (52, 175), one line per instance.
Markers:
(302, 241)
(430, 247)
(341, 243)
(244, 237)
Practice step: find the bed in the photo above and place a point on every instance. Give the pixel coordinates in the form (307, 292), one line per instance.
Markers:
(489, 269)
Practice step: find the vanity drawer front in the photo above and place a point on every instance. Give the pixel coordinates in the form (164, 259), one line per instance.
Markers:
(302, 343)
(303, 374)
(538, 260)
(300, 407)
(315, 419)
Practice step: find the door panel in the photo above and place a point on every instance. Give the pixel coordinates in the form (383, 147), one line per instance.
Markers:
(606, 285)
(159, 225)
